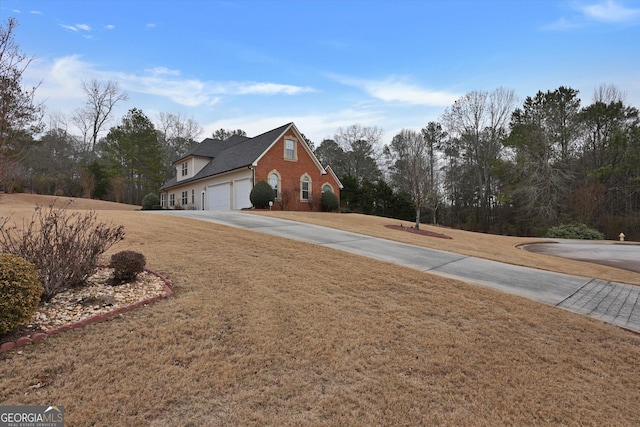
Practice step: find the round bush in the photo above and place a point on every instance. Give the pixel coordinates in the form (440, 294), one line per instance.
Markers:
(150, 201)
(20, 291)
(329, 201)
(126, 266)
(574, 231)
(261, 195)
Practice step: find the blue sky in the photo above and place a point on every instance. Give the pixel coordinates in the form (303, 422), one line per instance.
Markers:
(256, 65)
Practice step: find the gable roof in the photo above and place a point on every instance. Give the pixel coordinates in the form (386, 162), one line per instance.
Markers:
(233, 153)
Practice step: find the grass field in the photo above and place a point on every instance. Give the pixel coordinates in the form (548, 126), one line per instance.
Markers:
(267, 331)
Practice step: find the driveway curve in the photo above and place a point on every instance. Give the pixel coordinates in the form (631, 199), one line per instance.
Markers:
(611, 302)
(620, 255)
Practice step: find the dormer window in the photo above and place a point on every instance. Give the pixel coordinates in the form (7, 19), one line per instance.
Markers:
(185, 168)
(290, 149)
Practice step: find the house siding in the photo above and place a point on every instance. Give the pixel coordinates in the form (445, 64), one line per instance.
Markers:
(201, 186)
(291, 172)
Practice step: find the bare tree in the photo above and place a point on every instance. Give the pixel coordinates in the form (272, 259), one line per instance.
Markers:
(363, 150)
(178, 135)
(411, 164)
(20, 115)
(608, 94)
(478, 122)
(102, 97)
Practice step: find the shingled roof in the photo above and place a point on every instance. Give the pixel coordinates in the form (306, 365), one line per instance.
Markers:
(233, 153)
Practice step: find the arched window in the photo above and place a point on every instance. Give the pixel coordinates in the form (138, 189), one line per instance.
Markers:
(305, 187)
(274, 182)
(327, 187)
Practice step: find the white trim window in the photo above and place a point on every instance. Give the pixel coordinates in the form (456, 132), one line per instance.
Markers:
(290, 149)
(185, 198)
(172, 200)
(305, 188)
(163, 200)
(193, 196)
(327, 187)
(274, 182)
(185, 168)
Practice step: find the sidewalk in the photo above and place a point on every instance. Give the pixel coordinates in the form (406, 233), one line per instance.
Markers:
(610, 302)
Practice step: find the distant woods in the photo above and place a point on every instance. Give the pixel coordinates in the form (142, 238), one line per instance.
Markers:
(490, 163)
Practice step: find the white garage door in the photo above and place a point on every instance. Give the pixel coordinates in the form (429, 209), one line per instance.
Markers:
(219, 197)
(242, 190)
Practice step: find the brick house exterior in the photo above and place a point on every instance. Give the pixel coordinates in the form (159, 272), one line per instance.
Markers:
(219, 175)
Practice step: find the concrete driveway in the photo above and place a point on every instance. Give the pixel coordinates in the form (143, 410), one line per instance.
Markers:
(619, 255)
(611, 302)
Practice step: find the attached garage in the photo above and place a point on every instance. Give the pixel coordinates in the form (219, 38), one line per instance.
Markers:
(219, 197)
(242, 192)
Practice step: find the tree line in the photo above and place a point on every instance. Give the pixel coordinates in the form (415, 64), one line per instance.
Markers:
(490, 162)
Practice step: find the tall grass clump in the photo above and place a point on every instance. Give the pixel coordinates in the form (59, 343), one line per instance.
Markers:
(64, 246)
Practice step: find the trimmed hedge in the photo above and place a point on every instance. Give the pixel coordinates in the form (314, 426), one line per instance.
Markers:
(574, 231)
(329, 201)
(20, 291)
(261, 195)
(150, 202)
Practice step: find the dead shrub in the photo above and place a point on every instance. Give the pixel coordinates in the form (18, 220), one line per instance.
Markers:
(64, 246)
(126, 266)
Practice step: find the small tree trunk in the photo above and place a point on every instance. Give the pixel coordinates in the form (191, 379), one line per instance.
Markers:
(418, 218)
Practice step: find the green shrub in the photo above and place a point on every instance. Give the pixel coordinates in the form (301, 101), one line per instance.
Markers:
(261, 195)
(574, 231)
(20, 291)
(126, 266)
(150, 201)
(64, 246)
(329, 201)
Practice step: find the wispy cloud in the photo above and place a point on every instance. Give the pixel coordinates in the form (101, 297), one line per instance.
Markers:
(36, 12)
(255, 88)
(610, 11)
(396, 89)
(605, 12)
(151, 25)
(315, 126)
(76, 28)
(62, 77)
(109, 27)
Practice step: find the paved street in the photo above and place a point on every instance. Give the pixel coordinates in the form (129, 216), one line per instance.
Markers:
(610, 302)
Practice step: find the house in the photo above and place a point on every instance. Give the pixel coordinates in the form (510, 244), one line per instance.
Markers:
(219, 175)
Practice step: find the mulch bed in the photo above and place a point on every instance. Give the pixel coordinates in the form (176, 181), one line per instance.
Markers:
(421, 232)
(97, 301)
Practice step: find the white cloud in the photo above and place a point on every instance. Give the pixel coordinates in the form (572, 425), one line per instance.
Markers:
(36, 12)
(606, 11)
(61, 80)
(269, 89)
(76, 28)
(561, 24)
(160, 71)
(394, 89)
(610, 11)
(109, 27)
(151, 25)
(69, 27)
(316, 127)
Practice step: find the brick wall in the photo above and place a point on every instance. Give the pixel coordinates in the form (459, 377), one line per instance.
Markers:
(291, 172)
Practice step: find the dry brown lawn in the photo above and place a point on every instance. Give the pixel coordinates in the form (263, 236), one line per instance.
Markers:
(267, 331)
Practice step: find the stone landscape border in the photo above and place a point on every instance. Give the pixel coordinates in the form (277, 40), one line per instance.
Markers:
(39, 336)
